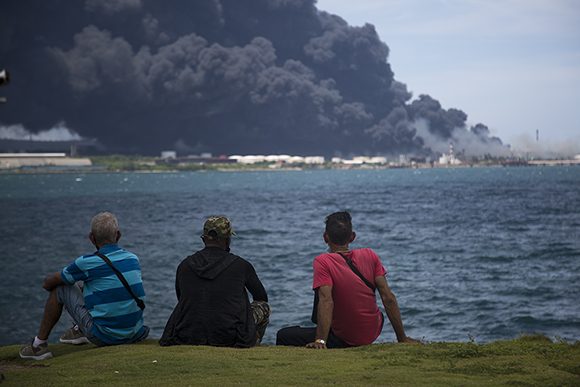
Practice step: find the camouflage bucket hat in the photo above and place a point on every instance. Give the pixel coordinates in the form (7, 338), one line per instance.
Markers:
(220, 225)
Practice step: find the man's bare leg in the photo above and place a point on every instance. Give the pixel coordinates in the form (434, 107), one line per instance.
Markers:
(52, 313)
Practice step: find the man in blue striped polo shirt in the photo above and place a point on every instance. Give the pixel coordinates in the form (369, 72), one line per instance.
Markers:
(105, 311)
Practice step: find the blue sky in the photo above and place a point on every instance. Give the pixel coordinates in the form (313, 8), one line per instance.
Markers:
(511, 64)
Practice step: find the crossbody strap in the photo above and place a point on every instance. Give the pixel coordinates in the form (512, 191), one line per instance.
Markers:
(139, 301)
(350, 264)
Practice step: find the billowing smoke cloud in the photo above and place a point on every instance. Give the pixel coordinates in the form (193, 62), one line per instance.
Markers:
(59, 132)
(527, 146)
(224, 76)
(471, 143)
(437, 128)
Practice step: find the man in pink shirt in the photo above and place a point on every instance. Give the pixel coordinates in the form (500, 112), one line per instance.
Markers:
(345, 280)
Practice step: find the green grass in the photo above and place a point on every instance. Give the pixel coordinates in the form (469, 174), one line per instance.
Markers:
(123, 163)
(533, 360)
(128, 163)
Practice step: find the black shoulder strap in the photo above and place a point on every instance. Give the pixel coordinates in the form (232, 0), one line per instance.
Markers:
(139, 301)
(357, 272)
(314, 316)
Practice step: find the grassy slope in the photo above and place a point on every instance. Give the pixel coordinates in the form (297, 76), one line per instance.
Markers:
(525, 361)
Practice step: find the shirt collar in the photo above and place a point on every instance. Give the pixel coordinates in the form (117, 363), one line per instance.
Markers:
(106, 249)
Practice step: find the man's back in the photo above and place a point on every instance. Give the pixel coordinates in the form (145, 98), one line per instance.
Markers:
(356, 317)
(213, 305)
(346, 310)
(116, 316)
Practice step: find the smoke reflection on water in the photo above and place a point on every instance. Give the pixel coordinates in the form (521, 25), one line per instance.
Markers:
(483, 253)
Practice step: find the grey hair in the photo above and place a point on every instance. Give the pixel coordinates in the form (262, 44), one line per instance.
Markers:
(104, 227)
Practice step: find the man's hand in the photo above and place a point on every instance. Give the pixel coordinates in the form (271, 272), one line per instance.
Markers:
(51, 281)
(316, 345)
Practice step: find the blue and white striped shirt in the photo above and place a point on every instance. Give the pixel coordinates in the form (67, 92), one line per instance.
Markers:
(116, 316)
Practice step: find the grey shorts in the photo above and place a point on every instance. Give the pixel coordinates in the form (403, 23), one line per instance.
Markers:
(71, 296)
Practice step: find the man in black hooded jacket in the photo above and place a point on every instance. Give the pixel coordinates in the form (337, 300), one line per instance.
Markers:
(212, 291)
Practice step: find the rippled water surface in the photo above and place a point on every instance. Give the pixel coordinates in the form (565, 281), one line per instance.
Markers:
(483, 253)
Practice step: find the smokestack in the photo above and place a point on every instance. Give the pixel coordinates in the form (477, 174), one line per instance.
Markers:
(537, 135)
(4, 79)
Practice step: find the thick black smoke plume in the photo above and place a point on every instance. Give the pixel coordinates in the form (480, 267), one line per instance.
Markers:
(225, 76)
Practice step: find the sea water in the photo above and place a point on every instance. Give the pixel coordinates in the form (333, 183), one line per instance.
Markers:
(471, 253)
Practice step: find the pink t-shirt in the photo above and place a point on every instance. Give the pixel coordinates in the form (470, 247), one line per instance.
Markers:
(356, 318)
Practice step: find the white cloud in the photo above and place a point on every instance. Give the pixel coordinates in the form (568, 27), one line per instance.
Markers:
(59, 132)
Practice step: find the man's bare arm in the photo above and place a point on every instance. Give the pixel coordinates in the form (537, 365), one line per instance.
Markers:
(324, 315)
(392, 309)
(51, 281)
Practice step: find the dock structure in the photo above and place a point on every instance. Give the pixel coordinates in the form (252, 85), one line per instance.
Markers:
(551, 163)
(36, 160)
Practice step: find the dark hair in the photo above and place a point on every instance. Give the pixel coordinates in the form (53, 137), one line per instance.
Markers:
(339, 227)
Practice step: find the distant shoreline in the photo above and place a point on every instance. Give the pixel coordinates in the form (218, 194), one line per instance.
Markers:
(88, 170)
(139, 164)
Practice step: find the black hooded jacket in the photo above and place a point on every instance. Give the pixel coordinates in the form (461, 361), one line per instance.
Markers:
(213, 306)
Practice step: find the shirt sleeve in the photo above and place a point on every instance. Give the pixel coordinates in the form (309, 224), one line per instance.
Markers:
(177, 279)
(74, 272)
(322, 275)
(254, 285)
(379, 269)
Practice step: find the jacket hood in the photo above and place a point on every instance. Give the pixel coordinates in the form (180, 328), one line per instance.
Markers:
(210, 262)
